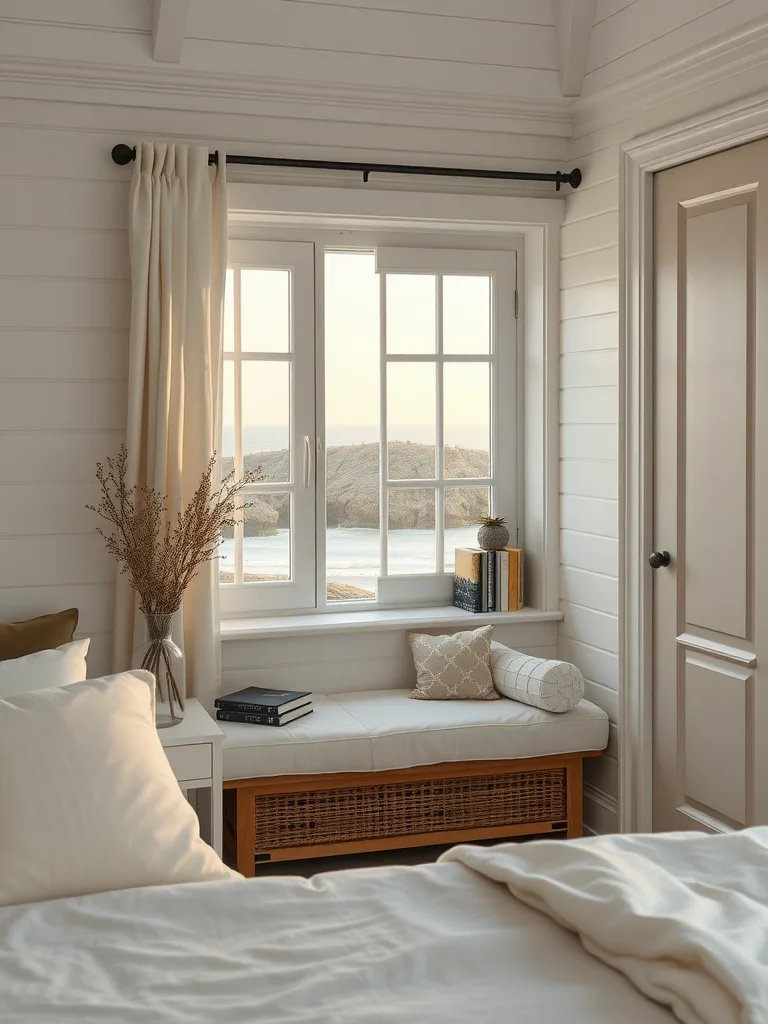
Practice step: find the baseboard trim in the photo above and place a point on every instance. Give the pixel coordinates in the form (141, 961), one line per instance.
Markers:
(604, 800)
(601, 812)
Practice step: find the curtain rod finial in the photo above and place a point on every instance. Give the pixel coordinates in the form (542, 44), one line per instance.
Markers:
(122, 154)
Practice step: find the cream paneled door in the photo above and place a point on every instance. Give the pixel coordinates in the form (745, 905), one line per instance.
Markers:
(710, 602)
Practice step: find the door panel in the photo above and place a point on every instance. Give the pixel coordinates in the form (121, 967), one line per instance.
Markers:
(715, 446)
(709, 686)
(715, 700)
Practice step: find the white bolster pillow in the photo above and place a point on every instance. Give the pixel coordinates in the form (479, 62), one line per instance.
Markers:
(542, 683)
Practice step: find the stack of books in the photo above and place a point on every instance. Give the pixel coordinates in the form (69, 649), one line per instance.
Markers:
(259, 706)
(488, 581)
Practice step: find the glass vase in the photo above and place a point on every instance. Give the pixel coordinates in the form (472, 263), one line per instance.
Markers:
(164, 659)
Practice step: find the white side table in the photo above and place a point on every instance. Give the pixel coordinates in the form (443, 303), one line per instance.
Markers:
(193, 748)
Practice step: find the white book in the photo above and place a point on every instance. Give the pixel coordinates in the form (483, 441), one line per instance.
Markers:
(502, 581)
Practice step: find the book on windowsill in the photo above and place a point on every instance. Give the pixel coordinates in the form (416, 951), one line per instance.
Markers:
(515, 581)
(259, 700)
(488, 581)
(468, 580)
(274, 720)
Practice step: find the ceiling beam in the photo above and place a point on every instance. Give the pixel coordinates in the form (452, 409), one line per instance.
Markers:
(573, 27)
(169, 26)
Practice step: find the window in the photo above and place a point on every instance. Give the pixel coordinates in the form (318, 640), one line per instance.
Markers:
(377, 424)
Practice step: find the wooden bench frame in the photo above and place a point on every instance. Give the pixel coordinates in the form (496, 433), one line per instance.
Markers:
(240, 817)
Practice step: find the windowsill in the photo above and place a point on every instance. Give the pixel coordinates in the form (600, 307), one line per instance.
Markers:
(374, 620)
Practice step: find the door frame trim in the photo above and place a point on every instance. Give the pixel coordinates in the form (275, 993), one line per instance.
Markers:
(711, 132)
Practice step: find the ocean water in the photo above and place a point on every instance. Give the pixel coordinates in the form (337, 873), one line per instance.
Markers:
(351, 552)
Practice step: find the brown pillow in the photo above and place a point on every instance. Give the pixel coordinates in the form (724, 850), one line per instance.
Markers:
(456, 667)
(46, 632)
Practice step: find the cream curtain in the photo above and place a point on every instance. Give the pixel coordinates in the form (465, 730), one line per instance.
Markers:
(178, 245)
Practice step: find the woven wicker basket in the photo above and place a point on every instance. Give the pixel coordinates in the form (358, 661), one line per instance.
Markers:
(407, 808)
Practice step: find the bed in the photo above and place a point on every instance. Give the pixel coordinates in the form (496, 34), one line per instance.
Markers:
(113, 910)
(487, 934)
(437, 943)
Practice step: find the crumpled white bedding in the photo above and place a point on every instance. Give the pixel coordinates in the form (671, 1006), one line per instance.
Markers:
(683, 915)
(439, 944)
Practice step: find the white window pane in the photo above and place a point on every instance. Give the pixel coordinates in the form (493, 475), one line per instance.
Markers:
(352, 352)
(228, 414)
(227, 559)
(411, 537)
(410, 311)
(352, 562)
(411, 421)
(266, 419)
(229, 312)
(463, 507)
(466, 315)
(467, 419)
(351, 348)
(265, 310)
(267, 538)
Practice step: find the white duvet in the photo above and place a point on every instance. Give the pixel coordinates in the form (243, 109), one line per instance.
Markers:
(683, 916)
(438, 944)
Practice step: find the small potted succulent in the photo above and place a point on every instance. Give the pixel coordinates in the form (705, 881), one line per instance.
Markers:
(493, 535)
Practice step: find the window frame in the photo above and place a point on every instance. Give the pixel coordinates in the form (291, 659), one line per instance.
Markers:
(502, 479)
(298, 592)
(459, 253)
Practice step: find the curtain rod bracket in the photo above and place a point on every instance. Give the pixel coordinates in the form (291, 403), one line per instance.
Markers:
(123, 154)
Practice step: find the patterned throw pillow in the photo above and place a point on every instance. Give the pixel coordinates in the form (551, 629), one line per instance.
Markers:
(456, 667)
(542, 683)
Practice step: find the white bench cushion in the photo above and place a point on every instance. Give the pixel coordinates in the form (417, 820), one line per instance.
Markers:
(468, 730)
(379, 729)
(328, 740)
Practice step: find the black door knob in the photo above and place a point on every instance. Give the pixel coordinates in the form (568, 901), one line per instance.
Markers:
(659, 559)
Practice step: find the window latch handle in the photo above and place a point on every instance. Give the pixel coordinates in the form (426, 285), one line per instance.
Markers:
(307, 461)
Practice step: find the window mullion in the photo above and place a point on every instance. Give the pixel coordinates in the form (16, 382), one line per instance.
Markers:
(383, 450)
(239, 531)
(439, 430)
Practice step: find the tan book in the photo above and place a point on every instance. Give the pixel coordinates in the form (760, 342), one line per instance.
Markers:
(516, 596)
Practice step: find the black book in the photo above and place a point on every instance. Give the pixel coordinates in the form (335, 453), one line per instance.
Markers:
(251, 719)
(259, 700)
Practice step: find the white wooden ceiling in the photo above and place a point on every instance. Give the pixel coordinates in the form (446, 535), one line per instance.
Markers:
(516, 50)
(503, 48)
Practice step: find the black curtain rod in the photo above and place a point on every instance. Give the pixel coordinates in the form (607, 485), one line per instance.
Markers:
(122, 154)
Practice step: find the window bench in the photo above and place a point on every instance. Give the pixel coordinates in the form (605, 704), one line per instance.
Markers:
(376, 770)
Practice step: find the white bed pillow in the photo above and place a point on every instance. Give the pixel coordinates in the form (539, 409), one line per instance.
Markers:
(88, 801)
(57, 667)
(542, 683)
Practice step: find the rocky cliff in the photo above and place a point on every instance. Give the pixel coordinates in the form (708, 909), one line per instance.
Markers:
(353, 487)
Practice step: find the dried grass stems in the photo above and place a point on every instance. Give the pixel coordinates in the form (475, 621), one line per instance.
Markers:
(160, 555)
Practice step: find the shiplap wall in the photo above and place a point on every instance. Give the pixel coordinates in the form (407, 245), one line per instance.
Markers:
(589, 516)
(630, 36)
(64, 287)
(353, 661)
(589, 339)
